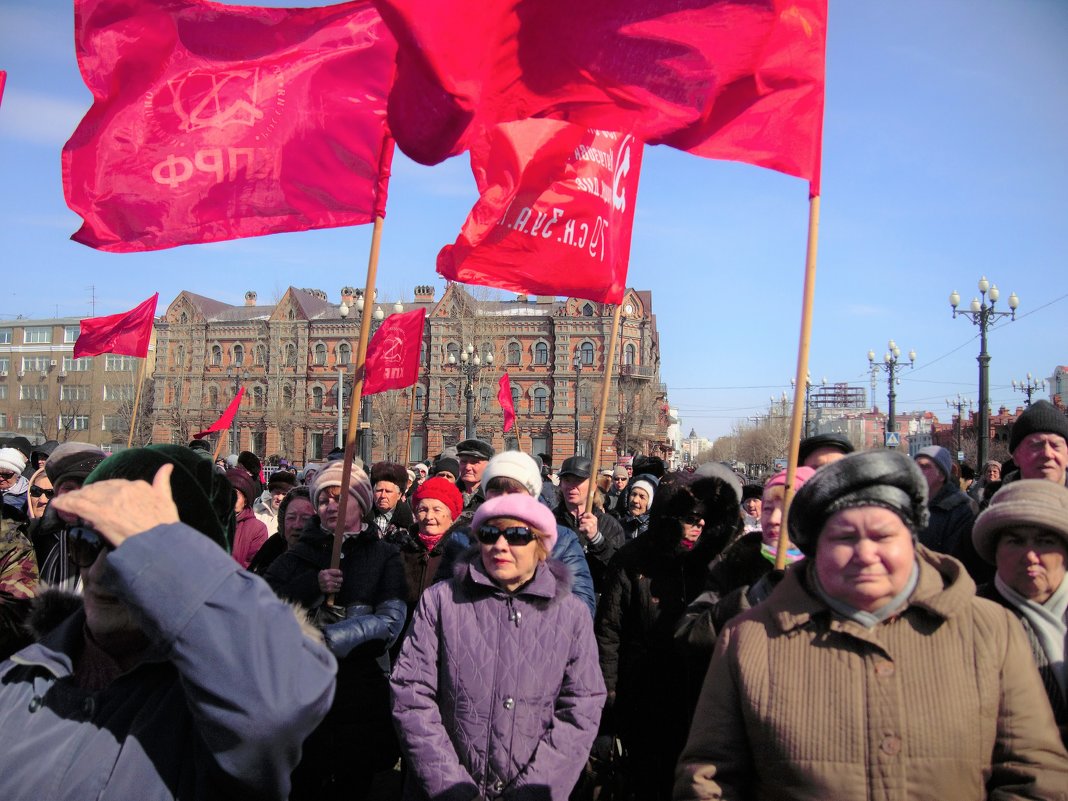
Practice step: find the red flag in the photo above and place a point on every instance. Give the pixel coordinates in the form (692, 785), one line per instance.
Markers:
(554, 214)
(734, 79)
(504, 397)
(3, 81)
(213, 122)
(226, 418)
(393, 353)
(126, 334)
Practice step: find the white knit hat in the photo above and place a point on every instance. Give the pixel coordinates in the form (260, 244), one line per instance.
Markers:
(516, 465)
(12, 460)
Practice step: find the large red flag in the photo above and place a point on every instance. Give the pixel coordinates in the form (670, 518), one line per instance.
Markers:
(554, 214)
(393, 353)
(225, 419)
(504, 397)
(126, 334)
(213, 122)
(733, 79)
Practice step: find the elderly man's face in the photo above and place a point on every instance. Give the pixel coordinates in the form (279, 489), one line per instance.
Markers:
(109, 621)
(386, 495)
(933, 473)
(1042, 455)
(471, 470)
(1032, 561)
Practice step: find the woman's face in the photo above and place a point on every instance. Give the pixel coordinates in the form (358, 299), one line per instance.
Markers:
(752, 506)
(1032, 561)
(433, 517)
(692, 527)
(771, 515)
(328, 509)
(298, 511)
(40, 494)
(638, 503)
(510, 566)
(864, 556)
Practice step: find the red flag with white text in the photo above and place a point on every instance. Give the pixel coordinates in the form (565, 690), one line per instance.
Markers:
(728, 79)
(393, 353)
(504, 397)
(212, 122)
(554, 214)
(225, 419)
(126, 334)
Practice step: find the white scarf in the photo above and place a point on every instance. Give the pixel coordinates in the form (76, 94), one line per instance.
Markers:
(1048, 622)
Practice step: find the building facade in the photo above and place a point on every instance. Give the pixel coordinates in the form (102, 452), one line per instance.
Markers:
(291, 357)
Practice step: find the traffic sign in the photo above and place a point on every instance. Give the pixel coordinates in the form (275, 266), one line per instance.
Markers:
(893, 439)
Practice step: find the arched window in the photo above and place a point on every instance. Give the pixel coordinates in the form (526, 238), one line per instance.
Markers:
(485, 399)
(287, 396)
(320, 355)
(587, 310)
(452, 351)
(541, 353)
(179, 358)
(586, 352)
(422, 352)
(183, 319)
(258, 397)
(420, 398)
(629, 353)
(216, 355)
(541, 400)
(239, 355)
(344, 353)
(514, 353)
(291, 355)
(515, 397)
(450, 398)
(317, 398)
(261, 354)
(213, 397)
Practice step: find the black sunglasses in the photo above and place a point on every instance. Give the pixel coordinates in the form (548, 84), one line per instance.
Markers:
(7, 475)
(692, 520)
(37, 492)
(513, 535)
(84, 546)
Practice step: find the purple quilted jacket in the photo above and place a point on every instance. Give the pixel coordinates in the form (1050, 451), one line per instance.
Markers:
(497, 695)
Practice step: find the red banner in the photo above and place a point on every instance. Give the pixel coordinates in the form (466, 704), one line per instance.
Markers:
(213, 122)
(731, 79)
(126, 334)
(504, 397)
(3, 82)
(555, 212)
(393, 353)
(226, 418)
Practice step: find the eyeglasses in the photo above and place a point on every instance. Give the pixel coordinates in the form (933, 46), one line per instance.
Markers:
(692, 520)
(513, 535)
(7, 475)
(84, 545)
(37, 492)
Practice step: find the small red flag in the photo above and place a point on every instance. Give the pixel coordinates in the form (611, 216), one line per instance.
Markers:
(3, 82)
(555, 212)
(225, 419)
(213, 122)
(126, 334)
(730, 79)
(393, 353)
(504, 397)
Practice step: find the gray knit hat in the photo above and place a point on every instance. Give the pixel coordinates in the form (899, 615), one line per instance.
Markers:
(941, 457)
(869, 478)
(1027, 502)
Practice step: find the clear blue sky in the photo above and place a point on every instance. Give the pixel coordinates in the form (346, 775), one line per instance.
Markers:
(944, 159)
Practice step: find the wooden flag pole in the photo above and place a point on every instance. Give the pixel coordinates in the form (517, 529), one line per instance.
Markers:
(802, 375)
(137, 402)
(606, 385)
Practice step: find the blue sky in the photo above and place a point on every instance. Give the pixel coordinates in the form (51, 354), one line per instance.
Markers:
(944, 160)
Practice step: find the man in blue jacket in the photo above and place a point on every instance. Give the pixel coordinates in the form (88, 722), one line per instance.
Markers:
(177, 675)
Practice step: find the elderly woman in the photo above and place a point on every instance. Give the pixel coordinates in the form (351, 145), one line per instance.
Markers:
(1024, 534)
(872, 670)
(356, 738)
(437, 504)
(633, 513)
(294, 512)
(497, 693)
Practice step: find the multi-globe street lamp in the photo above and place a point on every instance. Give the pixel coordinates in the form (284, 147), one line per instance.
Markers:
(1029, 386)
(470, 364)
(808, 389)
(983, 315)
(890, 362)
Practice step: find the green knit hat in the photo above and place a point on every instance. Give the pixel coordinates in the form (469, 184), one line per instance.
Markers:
(204, 497)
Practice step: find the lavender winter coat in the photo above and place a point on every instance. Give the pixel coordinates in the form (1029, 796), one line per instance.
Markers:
(497, 695)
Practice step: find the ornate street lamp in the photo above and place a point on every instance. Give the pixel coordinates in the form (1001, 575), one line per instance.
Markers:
(890, 362)
(470, 364)
(1029, 387)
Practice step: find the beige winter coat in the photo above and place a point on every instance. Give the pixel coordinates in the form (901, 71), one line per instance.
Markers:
(942, 702)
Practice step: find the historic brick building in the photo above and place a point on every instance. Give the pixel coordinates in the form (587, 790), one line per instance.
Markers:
(290, 356)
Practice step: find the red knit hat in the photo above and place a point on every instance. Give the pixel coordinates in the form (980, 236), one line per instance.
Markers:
(441, 489)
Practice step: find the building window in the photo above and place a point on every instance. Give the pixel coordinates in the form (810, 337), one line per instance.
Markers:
(74, 392)
(113, 422)
(315, 446)
(418, 451)
(586, 353)
(485, 399)
(5, 336)
(515, 397)
(514, 353)
(3, 391)
(30, 422)
(35, 364)
(511, 442)
(541, 400)
(344, 354)
(3, 419)
(179, 357)
(35, 392)
(287, 396)
(450, 398)
(259, 443)
(261, 354)
(539, 445)
(420, 398)
(81, 365)
(259, 399)
(71, 333)
(629, 353)
(5, 364)
(291, 355)
(320, 355)
(113, 363)
(213, 397)
(239, 355)
(183, 319)
(587, 310)
(585, 399)
(77, 422)
(118, 392)
(541, 353)
(452, 353)
(216, 356)
(37, 335)
(317, 398)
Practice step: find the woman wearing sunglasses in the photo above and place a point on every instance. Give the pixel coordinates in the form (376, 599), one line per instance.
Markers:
(497, 692)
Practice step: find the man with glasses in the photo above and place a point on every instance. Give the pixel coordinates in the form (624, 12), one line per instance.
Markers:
(178, 675)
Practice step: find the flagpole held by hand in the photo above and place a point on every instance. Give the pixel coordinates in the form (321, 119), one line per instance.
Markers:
(606, 385)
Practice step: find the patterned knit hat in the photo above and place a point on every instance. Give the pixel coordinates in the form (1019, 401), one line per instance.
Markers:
(359, 484)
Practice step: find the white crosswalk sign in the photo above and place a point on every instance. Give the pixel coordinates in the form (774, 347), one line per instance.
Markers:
(893, 439)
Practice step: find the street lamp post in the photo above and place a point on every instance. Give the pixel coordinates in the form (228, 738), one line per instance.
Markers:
(891, 360)
(470, 364)
(959, 403)
(578, 380)
(237, 378)
(808, 389)
(365, 402)
(1029, 387)
(983, 315)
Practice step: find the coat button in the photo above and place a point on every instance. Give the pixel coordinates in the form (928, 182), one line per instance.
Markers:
(509, 702)
(35, 703)
(884, 669)
(890, 745)
(498, 786)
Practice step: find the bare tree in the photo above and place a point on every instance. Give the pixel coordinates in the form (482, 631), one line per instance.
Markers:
(125, 413)
(389, 427)
(639, 415)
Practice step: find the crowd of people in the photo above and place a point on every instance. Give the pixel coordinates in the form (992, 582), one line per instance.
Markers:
(480, 627)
